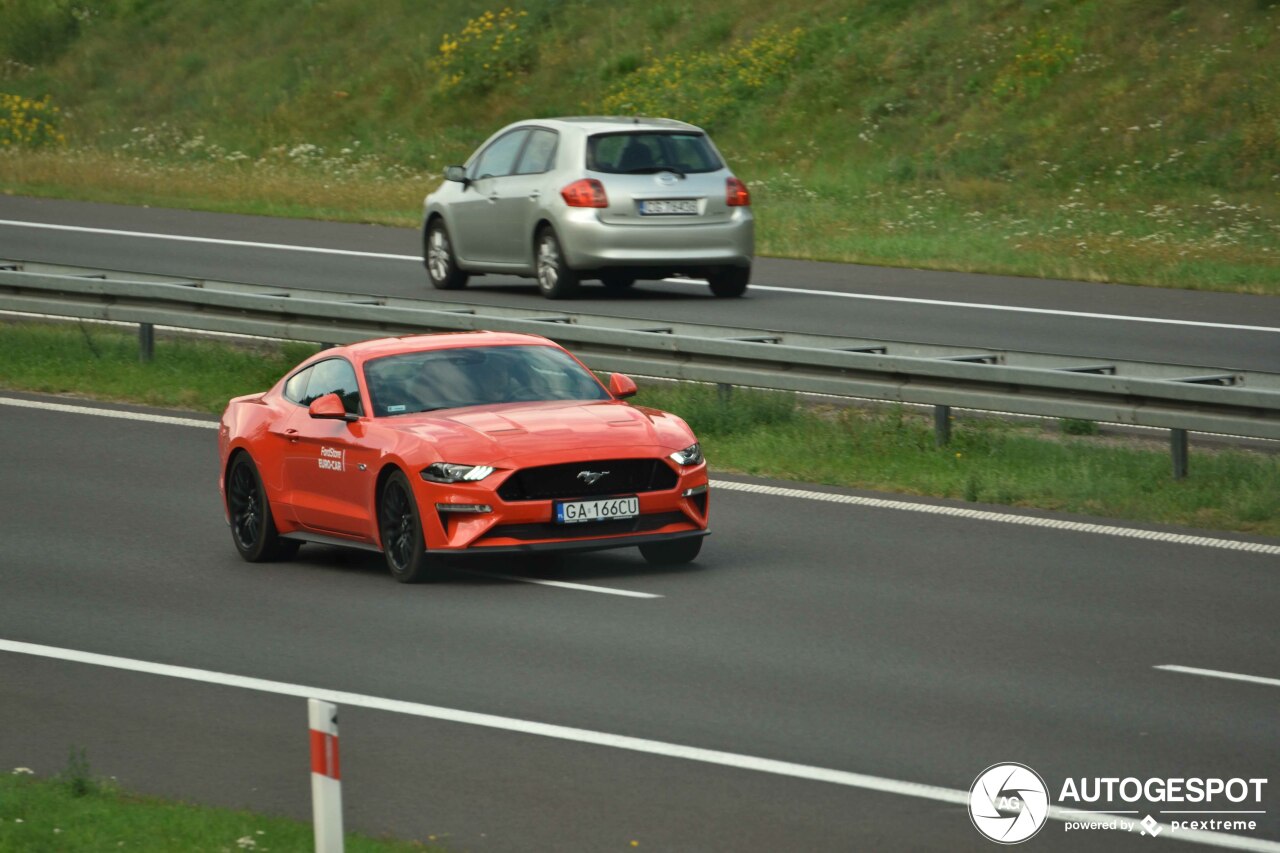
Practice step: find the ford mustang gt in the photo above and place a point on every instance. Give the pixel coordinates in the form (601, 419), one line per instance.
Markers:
(457, 444)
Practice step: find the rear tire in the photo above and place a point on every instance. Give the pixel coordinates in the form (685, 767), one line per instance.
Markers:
(616, 282)
(252, 528)
(672, 553)
(556, 279)
(729, 281)
(400, 528)
(437, 254)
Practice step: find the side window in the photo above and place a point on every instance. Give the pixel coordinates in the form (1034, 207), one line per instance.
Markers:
(499, 158)
(296, 388)
(540, 154)
(334, 376)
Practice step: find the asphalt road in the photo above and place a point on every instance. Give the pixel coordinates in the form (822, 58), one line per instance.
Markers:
(909, 646)
(1221, 331)
(912, 648)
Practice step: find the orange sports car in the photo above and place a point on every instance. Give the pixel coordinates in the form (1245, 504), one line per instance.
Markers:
(468, 443)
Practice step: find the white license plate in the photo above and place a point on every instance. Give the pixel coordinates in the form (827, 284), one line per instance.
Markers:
(669, 207)
(605, 509)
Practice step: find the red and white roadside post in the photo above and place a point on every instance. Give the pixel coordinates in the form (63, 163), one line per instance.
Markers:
(326, 779)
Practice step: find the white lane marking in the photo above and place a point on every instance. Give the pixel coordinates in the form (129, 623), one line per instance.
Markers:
(106, 413)
(181, 238)
(582, 587)
(1214, 673)
(802, 494)
(734, 760)
(1055, 312)
(796, 290)
(1001, 517)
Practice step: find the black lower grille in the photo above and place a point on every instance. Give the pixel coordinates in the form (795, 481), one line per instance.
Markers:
(585, 530)
(588, 479)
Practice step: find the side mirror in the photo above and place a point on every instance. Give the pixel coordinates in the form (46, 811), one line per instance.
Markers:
(330, 408)
(621, 386)
(456, 173)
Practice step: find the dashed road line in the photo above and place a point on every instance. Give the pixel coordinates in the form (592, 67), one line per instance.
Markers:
(1215, 673)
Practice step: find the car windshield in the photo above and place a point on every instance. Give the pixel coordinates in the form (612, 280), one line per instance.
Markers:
(475, 376)
(647, 152)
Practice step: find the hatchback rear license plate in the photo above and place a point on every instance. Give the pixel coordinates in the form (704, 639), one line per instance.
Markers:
(604, 509)
(669, 207)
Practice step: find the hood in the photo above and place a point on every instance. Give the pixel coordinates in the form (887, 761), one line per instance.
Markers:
(508, 433)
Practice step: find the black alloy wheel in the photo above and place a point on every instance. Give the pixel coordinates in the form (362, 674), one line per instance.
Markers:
(252, 528)
(401, 531)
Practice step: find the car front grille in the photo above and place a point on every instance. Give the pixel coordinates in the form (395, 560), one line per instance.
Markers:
(578, 480)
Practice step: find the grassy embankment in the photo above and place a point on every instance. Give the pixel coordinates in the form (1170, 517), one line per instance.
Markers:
(73, 812)
(768, 434)
(1120, 141)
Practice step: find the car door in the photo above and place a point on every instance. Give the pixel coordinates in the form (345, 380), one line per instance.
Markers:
(478, 231)
(329, 463)
(520, 194)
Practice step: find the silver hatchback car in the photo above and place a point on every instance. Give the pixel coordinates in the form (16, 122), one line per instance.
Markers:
(613, 199)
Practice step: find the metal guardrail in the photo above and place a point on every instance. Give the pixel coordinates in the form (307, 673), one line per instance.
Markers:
(1175, 397)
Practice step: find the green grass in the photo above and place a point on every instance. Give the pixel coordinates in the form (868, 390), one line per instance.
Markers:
(1124, 140)
(74, 813)
(989, 460)
(101, 362)
(1063, 466)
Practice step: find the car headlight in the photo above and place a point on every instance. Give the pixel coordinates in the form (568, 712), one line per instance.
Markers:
(449, 472)
(691, 455)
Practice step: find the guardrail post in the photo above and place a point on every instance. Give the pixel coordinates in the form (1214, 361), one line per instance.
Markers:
(326, 784)
(1178, 446)
(723, 392)
(146, 341)
(942, 425)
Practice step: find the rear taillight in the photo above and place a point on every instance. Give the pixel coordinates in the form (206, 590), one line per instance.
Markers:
(735, 193)
(587, 192)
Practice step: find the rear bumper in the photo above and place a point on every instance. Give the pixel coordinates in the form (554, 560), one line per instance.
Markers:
(590, 244)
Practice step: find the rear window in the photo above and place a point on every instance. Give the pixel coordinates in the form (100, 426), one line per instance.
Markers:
(641, 152)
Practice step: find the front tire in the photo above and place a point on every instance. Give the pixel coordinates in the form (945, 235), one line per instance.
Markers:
(556, 279)
(437, 253)
(253, 530)
(401, 530)
(729, 282)
(672, 553)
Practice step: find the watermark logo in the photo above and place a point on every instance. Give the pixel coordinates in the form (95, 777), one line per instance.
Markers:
(1008, 803)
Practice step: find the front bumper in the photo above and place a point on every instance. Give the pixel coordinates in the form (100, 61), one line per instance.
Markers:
(524, 526)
